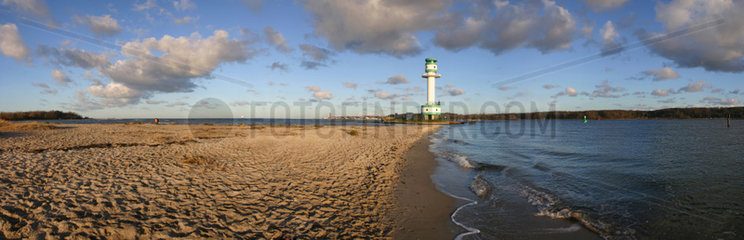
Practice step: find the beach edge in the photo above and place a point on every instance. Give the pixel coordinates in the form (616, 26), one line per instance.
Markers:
(422, 211)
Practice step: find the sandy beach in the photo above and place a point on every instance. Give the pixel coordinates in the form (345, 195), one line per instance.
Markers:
(424, 210)
(202, 181)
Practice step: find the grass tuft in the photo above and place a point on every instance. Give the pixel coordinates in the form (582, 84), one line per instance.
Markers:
(25, 126)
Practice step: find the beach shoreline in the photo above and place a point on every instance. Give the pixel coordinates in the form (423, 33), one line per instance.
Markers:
(423, 212)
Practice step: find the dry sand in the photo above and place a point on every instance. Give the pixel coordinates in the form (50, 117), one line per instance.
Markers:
(148, 181)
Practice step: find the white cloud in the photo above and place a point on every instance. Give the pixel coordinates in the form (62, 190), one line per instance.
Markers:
(694, 87)
(662, 93)
(569, 91)
(350, 85)
(41, 85)
(716, 48)
(240, 103)
(153, 65)
(385, 27)
(183, 20)
(36, 8)
(145, 5)
(178, 103)
(719, 101)
(504, 88)
(414, 89)
(671, 100)
(587, 30)
(254, 5)
(662, 74)
(499, 27)
(605, 90)
(101, 25)
(181, 60)
(602, 5)
(397, 79)
(316, 53)
(310, 65)
(61, 77)
(385, 96)
(280, 66)
(116, 91)
(277, 39)
(11, 43)
(455, 91)
(318, 94)
(183, 5)
(610, 39)
(82, 103)
(155, 101)
(549, 86)
(74, 57)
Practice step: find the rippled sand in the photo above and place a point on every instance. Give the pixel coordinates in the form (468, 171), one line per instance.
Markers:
(156, 181)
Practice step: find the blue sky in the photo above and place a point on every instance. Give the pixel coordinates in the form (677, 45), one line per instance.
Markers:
(313, 58)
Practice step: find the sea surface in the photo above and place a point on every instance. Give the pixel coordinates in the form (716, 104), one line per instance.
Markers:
(622, 179)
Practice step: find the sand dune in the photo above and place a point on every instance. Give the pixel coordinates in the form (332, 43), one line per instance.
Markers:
(148, 181)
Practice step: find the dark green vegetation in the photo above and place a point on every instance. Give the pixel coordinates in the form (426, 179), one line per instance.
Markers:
(39, 115)
(669, 113)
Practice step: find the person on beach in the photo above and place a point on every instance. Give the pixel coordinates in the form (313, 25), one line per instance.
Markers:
(156, 121)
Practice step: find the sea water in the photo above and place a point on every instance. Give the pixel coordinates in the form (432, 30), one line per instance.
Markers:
(622, 179)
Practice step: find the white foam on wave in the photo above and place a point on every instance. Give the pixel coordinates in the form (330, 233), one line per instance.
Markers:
(463, 161)
(470, 230)
(573, 228)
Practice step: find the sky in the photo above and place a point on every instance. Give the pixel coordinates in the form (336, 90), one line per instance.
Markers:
(315, 58)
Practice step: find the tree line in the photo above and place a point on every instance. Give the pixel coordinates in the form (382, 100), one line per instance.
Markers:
(39, 115)
(669, 113)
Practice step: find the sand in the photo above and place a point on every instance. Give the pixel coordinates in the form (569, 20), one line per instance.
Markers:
(165, 181)
(423, 211)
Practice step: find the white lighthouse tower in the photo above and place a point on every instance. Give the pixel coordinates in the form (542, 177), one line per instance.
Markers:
(432, 109)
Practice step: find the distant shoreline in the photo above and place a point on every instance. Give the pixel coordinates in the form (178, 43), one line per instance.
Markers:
(668, 113)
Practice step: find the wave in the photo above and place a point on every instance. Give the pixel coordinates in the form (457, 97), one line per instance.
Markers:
(572, 228)
(541, 166)
(560, 153)
(551, 206)
(464, 162)
(481, 187)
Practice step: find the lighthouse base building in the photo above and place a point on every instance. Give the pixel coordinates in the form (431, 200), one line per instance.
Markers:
(432, 109)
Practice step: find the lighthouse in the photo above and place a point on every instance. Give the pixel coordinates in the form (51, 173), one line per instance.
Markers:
(431, 110)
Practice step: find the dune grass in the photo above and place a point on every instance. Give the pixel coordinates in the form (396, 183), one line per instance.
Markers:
(24, 126)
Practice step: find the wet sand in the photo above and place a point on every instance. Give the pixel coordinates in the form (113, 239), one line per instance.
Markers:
(155, 181)
(424, 210)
